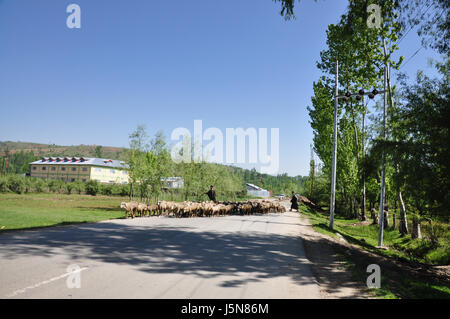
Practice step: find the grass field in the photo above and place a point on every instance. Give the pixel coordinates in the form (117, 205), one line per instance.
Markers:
(43, 210)
(404, 248)
(366, 236)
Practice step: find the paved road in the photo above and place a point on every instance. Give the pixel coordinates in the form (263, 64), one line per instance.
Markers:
(160, 257)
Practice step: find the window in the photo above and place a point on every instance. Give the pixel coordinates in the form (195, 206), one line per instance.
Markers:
(44, 168)
(98, 169)
(72, 179)
(63, 168)
(84, 179)
(84, 169)
(74, 169)
(112, 171)
(53, 168)
(34, 168)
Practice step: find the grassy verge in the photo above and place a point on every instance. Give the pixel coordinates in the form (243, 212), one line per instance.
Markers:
(401, 247)
(394, 283)
(43, 210)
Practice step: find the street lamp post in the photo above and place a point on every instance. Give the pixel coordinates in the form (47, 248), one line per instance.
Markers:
(359, 96)
(333, 172)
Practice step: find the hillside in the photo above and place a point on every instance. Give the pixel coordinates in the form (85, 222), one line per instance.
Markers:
(58, 150)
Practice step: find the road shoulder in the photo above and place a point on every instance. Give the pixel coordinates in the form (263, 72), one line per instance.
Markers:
(329, 269)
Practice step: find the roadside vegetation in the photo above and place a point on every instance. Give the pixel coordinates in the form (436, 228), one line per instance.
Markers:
(410, 141)
(396, 281)
(43, 210)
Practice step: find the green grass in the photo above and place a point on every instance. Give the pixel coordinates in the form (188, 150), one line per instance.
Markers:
(402, 247)
(43, 210)
(422, 250)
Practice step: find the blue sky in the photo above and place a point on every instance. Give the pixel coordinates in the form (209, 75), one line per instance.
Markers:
(164, 64)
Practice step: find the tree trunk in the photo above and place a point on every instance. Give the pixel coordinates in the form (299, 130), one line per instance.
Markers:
(394, 224)
(386, 219)
(403, 227)
(374, 216)
(415, 233)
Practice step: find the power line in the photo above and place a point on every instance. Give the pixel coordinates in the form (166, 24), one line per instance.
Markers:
(412, 27)
(412, 56)
(421, 47)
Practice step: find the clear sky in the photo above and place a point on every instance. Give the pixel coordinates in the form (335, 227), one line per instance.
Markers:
(229, 63)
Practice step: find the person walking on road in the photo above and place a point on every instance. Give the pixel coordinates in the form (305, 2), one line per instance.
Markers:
(211, 194)
(294, 202)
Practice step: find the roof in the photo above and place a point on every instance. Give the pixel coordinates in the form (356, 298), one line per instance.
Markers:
(255, 187)
(82, 161)
(172, 179)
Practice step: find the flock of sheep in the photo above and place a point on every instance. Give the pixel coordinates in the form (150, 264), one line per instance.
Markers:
(201, 209)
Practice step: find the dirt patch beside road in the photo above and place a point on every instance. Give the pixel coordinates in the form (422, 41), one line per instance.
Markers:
(334, 279)
(331, 258)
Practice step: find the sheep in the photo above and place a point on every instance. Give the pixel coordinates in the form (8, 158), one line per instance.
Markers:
(142, 208)
(130, 208)
(204, 209)
(151, 209)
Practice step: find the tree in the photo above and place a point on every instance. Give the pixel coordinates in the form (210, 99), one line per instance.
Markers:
(362, 55)
(92, 187)
(431, 18)
(99, 151)
(422, 124)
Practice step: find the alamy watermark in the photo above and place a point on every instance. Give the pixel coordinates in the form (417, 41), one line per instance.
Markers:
(374, 20)
(73, 21)
(374, 279)
(242, 146)
(74, 278)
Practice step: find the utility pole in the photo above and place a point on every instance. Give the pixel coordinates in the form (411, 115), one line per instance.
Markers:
(333, 172)
(363, 200)
(359, 96)
(383, 168)
(312, 164)
(6, 159)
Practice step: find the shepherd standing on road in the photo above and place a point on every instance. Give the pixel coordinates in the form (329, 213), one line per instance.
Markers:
(294, 202)
(211, 194)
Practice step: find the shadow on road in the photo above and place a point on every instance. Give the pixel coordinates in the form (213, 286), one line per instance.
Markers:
(181, 250)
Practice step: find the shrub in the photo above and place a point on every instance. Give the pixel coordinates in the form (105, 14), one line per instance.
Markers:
(78, 187)
(4, 184)
(16, 184)
(123, 190)
(69, 188)
(39, 185)
(106, 189)
(92, 187)
(55, 185)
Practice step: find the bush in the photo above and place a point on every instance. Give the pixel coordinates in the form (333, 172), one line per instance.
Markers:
(78, 187)
(106, 189)
(16, 184)
(4, 184)
(39, 185)
(69, 188)
(123, 190)
(55, 185)
(92, 187)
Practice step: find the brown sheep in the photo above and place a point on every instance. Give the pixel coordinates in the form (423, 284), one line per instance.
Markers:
(130, 208)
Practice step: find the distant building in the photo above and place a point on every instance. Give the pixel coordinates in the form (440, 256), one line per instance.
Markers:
(173, 182)
(256, 191)
(83, 169)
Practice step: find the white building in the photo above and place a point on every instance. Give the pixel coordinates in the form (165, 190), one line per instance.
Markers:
(256, 191)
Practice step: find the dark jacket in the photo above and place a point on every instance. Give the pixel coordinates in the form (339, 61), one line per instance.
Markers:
(211, 194)
(294, 201)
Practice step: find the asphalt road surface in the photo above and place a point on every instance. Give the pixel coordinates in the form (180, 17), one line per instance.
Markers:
(258, 256)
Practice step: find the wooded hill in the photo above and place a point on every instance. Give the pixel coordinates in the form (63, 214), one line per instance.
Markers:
(22, 153)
